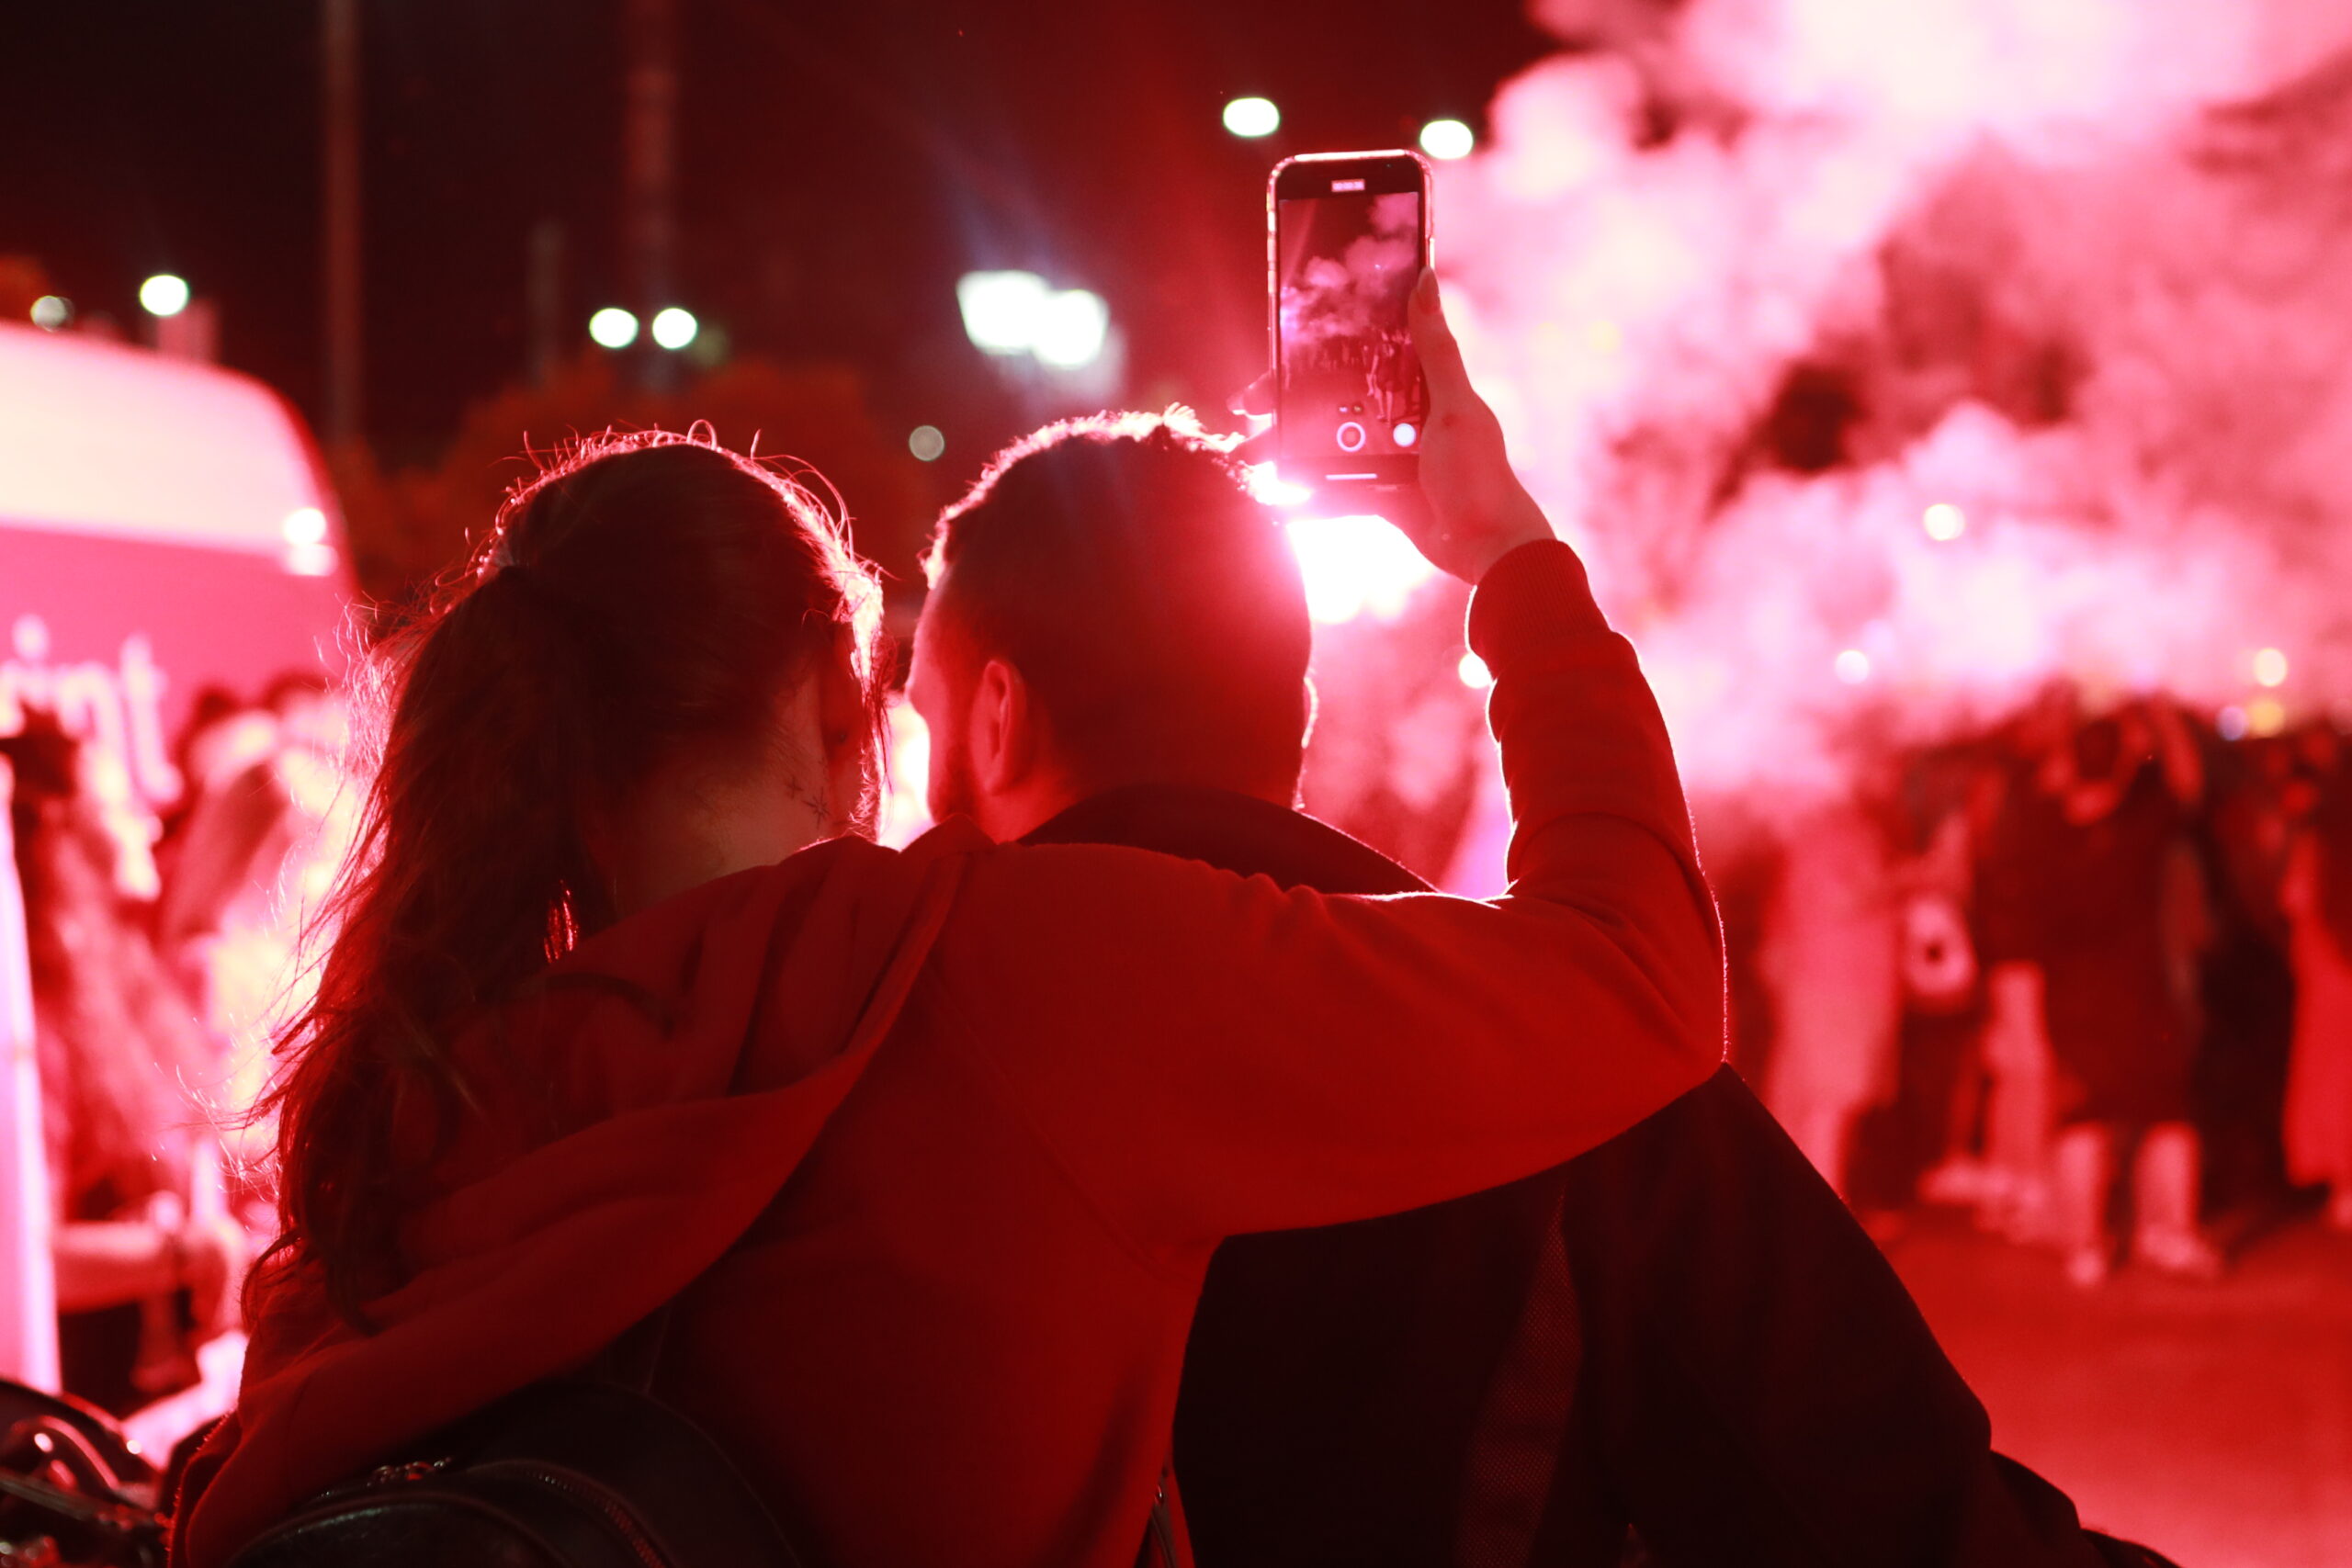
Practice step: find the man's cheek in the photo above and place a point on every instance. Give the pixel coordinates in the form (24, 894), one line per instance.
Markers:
(949, 788)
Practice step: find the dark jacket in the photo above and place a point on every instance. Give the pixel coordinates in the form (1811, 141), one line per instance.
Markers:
(1683, 1332)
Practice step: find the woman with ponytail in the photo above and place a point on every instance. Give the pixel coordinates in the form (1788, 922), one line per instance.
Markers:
(925, 1151)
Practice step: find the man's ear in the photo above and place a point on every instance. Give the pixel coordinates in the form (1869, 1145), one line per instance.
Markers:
(1003, 739)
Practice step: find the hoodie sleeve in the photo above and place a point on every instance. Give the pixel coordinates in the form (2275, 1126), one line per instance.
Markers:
(1209, 1055)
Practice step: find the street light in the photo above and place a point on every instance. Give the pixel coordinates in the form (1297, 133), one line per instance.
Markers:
(613, 327)
(1007, 313)
(674, 327)
(1072, 328)
(163, 295)
(1000, 309)
(1252, 116)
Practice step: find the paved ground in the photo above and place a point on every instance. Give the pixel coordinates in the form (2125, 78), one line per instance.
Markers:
(2213, 1422)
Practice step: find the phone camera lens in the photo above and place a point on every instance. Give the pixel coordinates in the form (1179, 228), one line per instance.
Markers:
(1406, 433)
(1350, 436)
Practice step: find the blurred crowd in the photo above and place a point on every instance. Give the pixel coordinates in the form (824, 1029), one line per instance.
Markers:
(2088, 976)
(161, 947)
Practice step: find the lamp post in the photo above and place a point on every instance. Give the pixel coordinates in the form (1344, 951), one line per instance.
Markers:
(339, 221)
(649, 170)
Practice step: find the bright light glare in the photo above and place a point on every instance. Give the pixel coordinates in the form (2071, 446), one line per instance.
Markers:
(906, 812)
(1072, 328)
(1356, 565)
(926, 442)
(1252, 116)
(305, 525)
(52, 311)
(1001, 310)
(2271, 668)
(1853, 667)
(1474, 672)
(1267, 488)
(613, 327)
(674, 327)
(1944, 522)
(1447, 139)
(163, 295)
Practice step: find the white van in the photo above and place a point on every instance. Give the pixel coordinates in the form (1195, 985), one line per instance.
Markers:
(164, 525)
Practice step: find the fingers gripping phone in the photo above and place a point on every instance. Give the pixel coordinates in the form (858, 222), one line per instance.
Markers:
(1348, 237)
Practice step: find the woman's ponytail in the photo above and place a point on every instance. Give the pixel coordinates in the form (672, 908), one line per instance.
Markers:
(651, 593)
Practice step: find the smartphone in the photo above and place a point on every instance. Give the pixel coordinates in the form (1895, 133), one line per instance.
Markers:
(1348, 236)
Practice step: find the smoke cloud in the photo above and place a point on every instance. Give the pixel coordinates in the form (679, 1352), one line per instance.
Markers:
(1887, 361)
(1359, 292)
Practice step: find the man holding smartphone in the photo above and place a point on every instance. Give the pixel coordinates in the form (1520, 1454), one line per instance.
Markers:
(1682, 1334)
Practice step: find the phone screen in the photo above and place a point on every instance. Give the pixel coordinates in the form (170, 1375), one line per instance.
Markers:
(1349, 245)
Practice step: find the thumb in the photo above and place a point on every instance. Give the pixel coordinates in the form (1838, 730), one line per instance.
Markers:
(1433, 340)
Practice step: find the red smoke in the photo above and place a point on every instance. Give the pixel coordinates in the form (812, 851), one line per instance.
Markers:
(1757, 287)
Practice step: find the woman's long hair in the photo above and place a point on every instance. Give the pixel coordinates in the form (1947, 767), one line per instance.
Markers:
(648, 596)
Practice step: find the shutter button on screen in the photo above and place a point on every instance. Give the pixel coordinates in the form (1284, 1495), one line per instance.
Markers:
(1350, 436)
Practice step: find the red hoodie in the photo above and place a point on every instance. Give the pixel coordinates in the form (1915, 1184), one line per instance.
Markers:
(937, 1144)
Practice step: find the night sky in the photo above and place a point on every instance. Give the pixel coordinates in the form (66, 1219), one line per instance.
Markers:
(841, 164)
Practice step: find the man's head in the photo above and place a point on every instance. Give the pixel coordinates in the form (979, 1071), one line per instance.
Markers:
(1110, 606)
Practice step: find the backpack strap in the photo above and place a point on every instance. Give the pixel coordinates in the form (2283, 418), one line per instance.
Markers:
(1160, 1530)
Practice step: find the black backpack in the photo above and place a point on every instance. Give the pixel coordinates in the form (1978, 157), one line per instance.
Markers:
(590, 1472)
(575, 1473)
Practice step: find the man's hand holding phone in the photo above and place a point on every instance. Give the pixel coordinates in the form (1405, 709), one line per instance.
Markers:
(1469, 509)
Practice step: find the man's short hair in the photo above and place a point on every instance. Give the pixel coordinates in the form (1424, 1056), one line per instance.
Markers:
(1151, 603)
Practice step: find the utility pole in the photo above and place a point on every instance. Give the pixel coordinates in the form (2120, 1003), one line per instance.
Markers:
(650, 173)
(339, 205)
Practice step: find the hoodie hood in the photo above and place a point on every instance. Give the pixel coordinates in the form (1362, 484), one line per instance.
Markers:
(632, 1116)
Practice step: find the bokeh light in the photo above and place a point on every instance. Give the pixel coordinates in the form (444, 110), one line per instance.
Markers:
(1447, 139)
(613, 327)
(1853, 665)
(1474, 672)
(674, 327)
(926, 442)
(1944, 522)
(1252, 116)
(305, 525)
(52, 312)
(2270, 667)
(163, 295)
